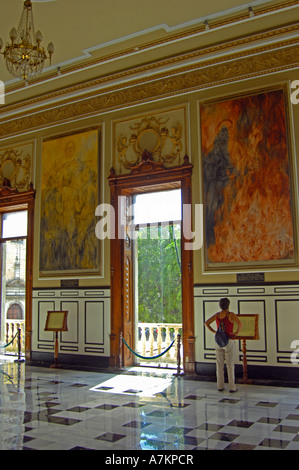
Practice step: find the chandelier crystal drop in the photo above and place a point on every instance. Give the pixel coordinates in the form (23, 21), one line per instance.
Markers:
(24, 56)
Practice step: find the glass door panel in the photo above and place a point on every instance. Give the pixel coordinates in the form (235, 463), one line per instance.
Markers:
(157, 269)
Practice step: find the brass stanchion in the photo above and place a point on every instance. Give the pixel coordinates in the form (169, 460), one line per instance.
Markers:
(19, 347)
(178, 372)
(120, 350)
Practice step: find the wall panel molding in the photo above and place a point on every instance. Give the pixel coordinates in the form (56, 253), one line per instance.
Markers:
(278, 308)
(88, 321)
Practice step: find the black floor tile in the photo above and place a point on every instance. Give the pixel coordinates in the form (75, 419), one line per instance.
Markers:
(110, 437)
(78, 409)
(193, 441)
(231, 401)
(224, 436)
(285, 428)
(274, 443)
(240, 424)
(268, 420)
(106, 407)
(210, 427)
(293, 417)
(266, 404)
(239, 446)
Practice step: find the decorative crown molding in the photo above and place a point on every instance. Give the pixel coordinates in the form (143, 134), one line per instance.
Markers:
(238, 66)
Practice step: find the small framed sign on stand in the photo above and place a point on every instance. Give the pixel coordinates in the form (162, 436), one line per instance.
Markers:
(57, 322)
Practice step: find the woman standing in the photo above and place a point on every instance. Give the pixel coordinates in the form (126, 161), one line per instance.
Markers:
(227, 352)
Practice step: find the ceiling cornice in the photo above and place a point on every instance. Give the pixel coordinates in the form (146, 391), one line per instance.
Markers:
(203, 57)
(242, 65)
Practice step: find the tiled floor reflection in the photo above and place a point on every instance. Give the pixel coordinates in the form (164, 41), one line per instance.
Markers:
(59, 409)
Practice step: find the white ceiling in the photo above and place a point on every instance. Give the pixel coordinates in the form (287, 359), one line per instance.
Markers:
(81, 29)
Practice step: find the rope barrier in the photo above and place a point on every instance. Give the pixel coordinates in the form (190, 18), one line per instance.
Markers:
(6, 345)
(18, 333)
(122, 341)
(151, 357)
(8, 376)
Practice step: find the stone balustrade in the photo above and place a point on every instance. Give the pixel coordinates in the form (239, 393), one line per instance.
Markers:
(11, 329)
(154, 338)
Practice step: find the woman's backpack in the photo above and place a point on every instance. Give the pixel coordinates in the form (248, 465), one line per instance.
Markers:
(221, 337)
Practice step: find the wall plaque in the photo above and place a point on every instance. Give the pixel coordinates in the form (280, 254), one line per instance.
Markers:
(250, 277)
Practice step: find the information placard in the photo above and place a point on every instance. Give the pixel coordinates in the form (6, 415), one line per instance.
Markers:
(56, 321)
(250, 326)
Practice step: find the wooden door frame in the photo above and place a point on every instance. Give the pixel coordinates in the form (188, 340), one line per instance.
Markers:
(149, 176)
(12, 200)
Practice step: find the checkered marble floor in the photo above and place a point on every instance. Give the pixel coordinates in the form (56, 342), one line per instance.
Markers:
(141, 409)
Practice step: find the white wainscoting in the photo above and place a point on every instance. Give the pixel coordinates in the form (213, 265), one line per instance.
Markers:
(88, 321)
(278, 310)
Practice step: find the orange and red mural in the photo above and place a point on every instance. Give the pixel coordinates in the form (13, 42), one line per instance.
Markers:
(247, 181)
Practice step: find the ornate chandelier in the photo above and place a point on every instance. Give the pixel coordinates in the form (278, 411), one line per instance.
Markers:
(24, 56)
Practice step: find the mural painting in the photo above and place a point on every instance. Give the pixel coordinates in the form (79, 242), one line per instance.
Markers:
(247, 182)
(69, 196)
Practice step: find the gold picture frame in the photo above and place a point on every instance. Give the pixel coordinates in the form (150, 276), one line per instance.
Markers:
(248, 182)
(70, 192)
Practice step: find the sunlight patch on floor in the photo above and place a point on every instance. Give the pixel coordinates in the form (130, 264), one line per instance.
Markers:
(134, 385)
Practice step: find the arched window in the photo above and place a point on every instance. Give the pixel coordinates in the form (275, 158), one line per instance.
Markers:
(15, 312)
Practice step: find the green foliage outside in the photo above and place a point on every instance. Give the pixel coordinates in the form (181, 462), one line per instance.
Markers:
(159, 275)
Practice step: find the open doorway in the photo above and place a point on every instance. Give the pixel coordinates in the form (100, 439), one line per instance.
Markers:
(13, 249)
(147, 176)
(157, 276)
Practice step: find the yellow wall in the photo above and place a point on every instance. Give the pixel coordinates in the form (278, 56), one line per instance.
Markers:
(244, 56)
(192, 100)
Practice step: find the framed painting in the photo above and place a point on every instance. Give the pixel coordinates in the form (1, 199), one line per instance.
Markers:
(247, 168)
(69, 197)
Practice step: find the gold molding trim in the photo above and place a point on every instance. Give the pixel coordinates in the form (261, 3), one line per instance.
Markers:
(162, 133)
(16, 165)
(253, 63)
(182, 35)
(224, 47)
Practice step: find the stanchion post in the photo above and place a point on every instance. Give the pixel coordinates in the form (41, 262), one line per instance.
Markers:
(245, 375)
(179, 373)
(120, 350)
(19, 347)
(179, 354)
